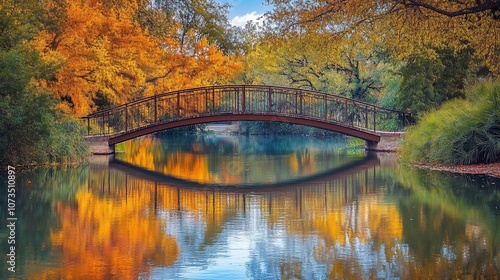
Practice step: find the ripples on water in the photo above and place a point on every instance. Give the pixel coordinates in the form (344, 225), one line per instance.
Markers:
(252, 208)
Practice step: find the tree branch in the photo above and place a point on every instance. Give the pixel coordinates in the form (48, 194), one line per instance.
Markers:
(488, 5)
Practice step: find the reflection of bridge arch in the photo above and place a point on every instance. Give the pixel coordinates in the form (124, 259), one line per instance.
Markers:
(239, 103)
(157, 177)
(208, 214)
(338, 186)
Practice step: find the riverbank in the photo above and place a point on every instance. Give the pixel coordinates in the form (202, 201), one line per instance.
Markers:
(491, 169)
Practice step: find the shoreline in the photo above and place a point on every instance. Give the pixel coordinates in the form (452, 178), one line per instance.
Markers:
(490, 169)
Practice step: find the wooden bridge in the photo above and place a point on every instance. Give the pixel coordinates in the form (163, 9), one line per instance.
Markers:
(238, 103)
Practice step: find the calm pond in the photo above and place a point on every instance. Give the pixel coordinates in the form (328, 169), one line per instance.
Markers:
(255, 207)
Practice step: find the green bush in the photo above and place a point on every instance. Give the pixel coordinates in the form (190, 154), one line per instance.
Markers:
(279, 128)
(32, 130)
(461, 132)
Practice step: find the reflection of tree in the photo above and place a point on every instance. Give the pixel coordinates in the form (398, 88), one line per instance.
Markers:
(35, 192)
(358, 230)
(447, 226)
(365, 223)
(102, 238)
(213, 209)
(234, 160)
(346, 217)
(432, 232)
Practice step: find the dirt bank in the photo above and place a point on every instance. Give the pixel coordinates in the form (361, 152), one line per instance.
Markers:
(492, 169)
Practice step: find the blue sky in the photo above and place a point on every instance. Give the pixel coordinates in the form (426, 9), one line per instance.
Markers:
(244, 10)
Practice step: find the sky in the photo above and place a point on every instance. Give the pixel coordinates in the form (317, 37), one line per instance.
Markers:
(245, 10)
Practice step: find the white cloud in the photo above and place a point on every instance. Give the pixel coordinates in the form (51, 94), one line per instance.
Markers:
(241, 21)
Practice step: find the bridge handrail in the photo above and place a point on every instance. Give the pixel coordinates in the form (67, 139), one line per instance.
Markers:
(148, 98)
(246, 102)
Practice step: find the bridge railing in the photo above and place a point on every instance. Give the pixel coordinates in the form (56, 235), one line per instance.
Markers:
(243, 99)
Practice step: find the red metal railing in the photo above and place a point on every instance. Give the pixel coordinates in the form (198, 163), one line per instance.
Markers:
(243, 99)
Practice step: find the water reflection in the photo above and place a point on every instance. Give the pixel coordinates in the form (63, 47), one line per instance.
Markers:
(367, 220)
(236, 160)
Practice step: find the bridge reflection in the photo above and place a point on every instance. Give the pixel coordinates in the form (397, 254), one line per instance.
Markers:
(335, 186)
(237, 161)
(350, 223)
(330, 208)
(159, 178)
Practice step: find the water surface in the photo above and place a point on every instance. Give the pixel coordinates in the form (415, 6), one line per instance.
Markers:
(224, 207)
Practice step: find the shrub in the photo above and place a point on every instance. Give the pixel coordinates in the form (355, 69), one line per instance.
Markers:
(32, 130)
(461, 132)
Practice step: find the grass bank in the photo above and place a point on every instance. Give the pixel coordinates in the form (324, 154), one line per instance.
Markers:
(460, 132)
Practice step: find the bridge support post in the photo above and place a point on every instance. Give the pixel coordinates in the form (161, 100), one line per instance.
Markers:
(99, 145)
(389, 142)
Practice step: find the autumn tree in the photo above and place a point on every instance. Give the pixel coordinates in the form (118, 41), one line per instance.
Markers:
(296, 62)
(32, 130)
(101, 50)
(196, 20)
(108, 57)
(406, 27)
(355, 75)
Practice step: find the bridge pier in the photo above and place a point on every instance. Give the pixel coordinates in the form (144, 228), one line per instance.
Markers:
(99, 145)
(389, 142)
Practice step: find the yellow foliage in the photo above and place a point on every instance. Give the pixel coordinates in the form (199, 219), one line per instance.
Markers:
(403, 27)
(102, 49)
(102, 238)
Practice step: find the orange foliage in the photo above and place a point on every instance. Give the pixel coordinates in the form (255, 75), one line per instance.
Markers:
(200, 167)
(201, 65)
(186, 165)
(102, 49)
(109, 238)
(99, 51)
(375, 222)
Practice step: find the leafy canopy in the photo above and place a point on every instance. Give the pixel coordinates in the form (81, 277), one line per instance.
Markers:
(405, 27)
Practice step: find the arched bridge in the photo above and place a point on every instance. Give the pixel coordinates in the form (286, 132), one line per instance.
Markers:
(241, 103)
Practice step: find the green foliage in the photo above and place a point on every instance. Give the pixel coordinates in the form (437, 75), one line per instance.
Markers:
(354, 75)
(445, 204)
(279, 128)
(392, 123)
(203, 17)
(356, 144)
(428, 83)
(461, 132)
(31, 130)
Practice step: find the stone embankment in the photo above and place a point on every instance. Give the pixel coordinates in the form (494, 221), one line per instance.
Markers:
(389, 142)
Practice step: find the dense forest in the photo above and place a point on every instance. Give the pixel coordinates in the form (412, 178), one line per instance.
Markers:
(62, 59)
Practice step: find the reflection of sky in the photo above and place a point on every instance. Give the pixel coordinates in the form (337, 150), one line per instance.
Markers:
(365, 221)
(248, 247)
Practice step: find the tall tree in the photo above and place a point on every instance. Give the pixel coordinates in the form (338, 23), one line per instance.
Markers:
(428, 83)
(31, 129)
(100, 50)
(203, 18)
(406, 27)
(106, 56)
(349, 71)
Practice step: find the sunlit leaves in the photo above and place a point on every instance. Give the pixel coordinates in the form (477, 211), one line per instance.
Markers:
(346, 70)
(105, 53)
(405, 27)
(100, 51)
